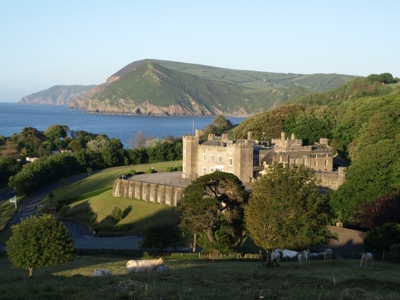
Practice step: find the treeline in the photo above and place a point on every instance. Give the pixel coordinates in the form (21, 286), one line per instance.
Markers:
(362, 121)
(87, 151)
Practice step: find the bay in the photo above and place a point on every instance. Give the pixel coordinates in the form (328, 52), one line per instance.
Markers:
(15, 116)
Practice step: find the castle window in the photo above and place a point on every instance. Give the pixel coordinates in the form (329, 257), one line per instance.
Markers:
(326, 162)
(204, 156)
(295, 161)
(230, 161)
(315, 163)
(204, 171)
(211, 157)
(211, 170)
(219, 158)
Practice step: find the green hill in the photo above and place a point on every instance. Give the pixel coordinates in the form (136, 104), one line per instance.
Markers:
(155, 87)
(58, 95)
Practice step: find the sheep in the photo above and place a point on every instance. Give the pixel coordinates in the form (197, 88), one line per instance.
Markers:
(327, 255)
(300, 256)
(145, 265)
(366, 259)
(101, 272)
(276, 256)
(307, 255)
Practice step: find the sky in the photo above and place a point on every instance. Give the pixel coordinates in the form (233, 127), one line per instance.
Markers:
(47, 43)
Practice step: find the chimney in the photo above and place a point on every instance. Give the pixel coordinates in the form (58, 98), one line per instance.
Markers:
(249, 135)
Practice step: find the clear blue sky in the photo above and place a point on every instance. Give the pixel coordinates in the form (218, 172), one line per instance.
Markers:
(46, 43)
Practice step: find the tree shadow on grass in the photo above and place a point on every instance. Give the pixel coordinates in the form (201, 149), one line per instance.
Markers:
(127, 211)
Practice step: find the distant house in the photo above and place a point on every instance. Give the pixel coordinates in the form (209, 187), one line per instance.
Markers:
(31, 159)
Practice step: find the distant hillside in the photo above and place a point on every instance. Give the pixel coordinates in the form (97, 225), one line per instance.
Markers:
(57, 95)
(155, 87)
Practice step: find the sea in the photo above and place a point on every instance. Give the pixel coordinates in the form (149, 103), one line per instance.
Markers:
(15, 116)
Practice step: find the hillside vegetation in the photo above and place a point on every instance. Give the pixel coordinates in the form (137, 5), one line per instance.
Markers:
(154, 87)
(362, 122)
(57, 95)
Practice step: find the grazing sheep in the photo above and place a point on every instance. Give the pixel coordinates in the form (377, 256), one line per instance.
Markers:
(101, 272)
(300, 256)
(327, 255)
(307, 255)
(367, 259)
(145, 265)
(276, 256)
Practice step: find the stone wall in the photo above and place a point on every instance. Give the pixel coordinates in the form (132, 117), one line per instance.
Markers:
(153, 192)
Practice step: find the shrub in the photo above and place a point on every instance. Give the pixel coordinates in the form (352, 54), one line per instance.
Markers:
(132, 172)
(150, 171)
(170, 169)
(395, 249)
(179, 168)
(64, 210)
(116, 214)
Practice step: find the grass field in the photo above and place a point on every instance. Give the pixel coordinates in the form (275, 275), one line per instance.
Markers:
(139, 213)
(203, 279)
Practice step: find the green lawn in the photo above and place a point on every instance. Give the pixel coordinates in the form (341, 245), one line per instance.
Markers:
(191, 279)
(137, 212)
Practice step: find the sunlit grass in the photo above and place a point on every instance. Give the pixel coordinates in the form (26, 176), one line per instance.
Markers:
(140, 213)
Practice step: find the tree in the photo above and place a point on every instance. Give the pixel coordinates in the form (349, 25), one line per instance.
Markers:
(378, 212)
(161, 236)
(381, 238)
(213, 202)
(287, 210)
(56, 131)
(117, 214)
(39, 242)
(89, 170)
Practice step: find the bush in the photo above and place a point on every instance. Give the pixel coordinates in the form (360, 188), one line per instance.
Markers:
(116, 214)
(383, 237)
(132, 172)
(179, 168)
(170, 169)
(395, 249)
(151, 170)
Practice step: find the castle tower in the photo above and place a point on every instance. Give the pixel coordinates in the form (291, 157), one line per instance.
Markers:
(190, 154)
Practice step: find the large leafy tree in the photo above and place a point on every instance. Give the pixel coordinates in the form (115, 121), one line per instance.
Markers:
(214, 203)
(381, 238)
(161, 236)
(39, 242)
(375, 213)
(287, 210)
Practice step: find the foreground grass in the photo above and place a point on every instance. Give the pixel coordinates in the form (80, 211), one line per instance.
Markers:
(203, 279)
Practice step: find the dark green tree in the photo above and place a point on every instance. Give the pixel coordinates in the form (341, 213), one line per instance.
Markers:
(161, 236)
(39, 242)
(211, 201)
(56, 132)
(117, 214)
(381, 238)
(286, 210)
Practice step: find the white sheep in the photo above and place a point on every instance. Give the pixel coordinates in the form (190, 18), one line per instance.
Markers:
(276, 256)
(307, 255)
(300, 256)
(145, 265)
(327, 255)
(367, 259)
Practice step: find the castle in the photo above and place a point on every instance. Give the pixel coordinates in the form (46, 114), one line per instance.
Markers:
(248, 158)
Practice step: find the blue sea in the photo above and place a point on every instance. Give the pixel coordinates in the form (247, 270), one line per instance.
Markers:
(14, 117)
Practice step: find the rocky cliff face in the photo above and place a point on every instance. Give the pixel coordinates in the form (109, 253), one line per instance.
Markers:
(56, 95)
